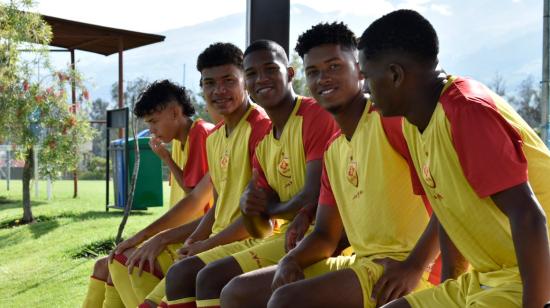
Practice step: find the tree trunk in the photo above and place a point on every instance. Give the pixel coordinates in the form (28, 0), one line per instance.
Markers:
(27, 175)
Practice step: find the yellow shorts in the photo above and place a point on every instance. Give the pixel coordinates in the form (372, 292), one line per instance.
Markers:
(367, 272)
(263, 254)
(223, 251)
(168, 256)
(251, 254)
(472, 290)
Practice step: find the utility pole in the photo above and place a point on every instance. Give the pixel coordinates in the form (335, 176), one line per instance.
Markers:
(545, 97)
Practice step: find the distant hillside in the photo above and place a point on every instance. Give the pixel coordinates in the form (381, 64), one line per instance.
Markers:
(475, 40)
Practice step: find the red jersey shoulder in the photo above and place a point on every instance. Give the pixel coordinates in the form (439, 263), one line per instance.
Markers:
(261, 125)
(311, 110)
(258, 117)
(259, 122)
(333, 139)
(318, 126)
(466, 92)
(217, 127)
(494, 160)
(203, 127)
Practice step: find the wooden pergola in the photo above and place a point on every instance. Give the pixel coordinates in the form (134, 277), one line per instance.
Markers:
(70, 35)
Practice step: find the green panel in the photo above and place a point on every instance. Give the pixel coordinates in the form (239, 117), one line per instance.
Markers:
(149, 183)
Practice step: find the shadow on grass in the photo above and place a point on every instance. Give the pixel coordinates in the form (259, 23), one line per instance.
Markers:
(40, 229)
(46, 223)
(11, 238)
(80, 216)
(7, 204)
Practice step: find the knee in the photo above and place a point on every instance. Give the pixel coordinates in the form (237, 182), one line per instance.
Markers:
(180, 276)
(209, 277)
(284, 297)
(234, 293)
(101, 269)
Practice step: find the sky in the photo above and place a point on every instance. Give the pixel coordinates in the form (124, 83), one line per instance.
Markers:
(161, 15)
(468, 29)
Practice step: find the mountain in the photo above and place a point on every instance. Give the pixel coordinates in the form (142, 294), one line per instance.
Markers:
(477, 39)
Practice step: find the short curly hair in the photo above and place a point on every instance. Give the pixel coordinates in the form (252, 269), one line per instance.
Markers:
(268, 45)
(326, 33)
(220, 54)
(159, 94)
(402, 30)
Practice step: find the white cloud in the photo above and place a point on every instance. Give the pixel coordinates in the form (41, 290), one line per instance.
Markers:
(424, 6)
(361, 8)
(141, 15)
(441, 9)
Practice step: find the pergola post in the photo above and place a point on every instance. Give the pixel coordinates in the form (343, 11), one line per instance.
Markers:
(268, 19)
(120, 73)
(73, 102)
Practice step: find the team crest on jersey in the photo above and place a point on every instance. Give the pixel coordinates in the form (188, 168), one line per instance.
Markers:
(224, 162)
(427, 175)
(284, 165)
(351, 173)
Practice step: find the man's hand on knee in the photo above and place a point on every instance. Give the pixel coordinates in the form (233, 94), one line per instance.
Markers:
(146, 254)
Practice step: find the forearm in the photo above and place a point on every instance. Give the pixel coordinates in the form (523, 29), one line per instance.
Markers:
(234, 232)
(307, 197)
(179, 234)
(529, 233)
(204, 229)
(453, 263)
(427, 247)
(177, 173)
(287, 210)
(313, 248)
(183, 212)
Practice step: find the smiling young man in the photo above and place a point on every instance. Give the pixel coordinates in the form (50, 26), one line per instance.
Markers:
(230, 148)
(223, 87)
(287, 164)
(167, 109)
(365, 189)
(484, 170)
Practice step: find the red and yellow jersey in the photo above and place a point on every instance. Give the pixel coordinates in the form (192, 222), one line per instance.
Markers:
(369, 179)
(281, 163)
(192, 159)
(474, 146)
(230, 162)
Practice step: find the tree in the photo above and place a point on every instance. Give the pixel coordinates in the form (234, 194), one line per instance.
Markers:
(299, 82)
(131, 94)
(498, 85)
(98, 112)
(527, 102)
(35, 114)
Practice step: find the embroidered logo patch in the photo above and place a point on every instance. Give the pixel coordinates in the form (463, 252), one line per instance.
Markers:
(427, 175)
(224, 162)
(351, 173)
(284, 165)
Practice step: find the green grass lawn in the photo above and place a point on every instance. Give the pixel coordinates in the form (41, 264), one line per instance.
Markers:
(36, 267)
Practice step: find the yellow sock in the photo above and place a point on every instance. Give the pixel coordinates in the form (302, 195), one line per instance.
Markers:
(158, 293)
(144, 284)
(188, 302)
(208, 302)
(96, 293)
(112, 298)
(121, 280)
